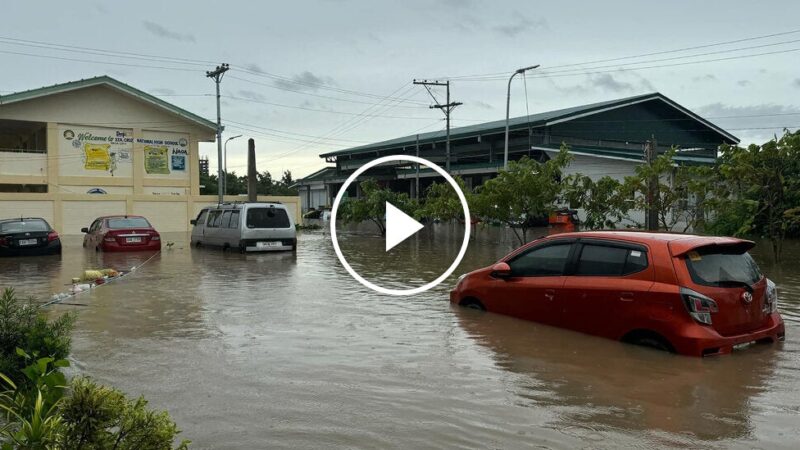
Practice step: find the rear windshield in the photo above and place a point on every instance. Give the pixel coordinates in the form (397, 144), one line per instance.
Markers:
(24, 226)
(721, 268)
(267, 218)
(128, 222)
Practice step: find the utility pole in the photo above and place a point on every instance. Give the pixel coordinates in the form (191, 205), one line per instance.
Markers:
(508, 110)
(447, 108)
(651, 217)
(416, 190)
(217, 74)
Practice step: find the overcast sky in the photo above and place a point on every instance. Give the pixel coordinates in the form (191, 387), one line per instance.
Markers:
(314, 76)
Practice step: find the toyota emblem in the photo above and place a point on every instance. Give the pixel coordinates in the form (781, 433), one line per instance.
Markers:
(747, 297)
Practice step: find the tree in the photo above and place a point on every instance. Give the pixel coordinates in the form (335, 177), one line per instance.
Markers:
(371, 206)
(761, 184)
(286, 180)
(441, 201)
(527, 191)
(604, 201)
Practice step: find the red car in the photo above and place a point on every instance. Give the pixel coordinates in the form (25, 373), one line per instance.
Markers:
(687, 294)
(121, 234)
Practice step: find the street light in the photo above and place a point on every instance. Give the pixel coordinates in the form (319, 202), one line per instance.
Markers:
(508, 106)
(225, 164)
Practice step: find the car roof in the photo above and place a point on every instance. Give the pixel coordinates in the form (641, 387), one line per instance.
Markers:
(679, 243)
(124, 216)
(21, 219)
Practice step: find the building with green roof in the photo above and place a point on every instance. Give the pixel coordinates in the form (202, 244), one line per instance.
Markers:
(606, 138)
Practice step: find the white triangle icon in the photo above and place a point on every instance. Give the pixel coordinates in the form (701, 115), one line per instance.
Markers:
(399, 226)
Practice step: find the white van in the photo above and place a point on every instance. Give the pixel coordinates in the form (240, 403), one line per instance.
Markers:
(247, 227)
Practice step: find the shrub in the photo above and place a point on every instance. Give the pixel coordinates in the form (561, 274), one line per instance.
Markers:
(100, 417)
(23, 326)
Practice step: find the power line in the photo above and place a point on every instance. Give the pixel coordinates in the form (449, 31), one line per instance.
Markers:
(330, 111)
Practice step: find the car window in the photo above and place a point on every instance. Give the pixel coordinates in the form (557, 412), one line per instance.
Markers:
(95, 226)
(234, 223)
(128, 222)
(27, 225)
(541, 261)
(722, 268)
(214, 218)
(201, 218)
(604, 260)
(226, 218)
(267, 218)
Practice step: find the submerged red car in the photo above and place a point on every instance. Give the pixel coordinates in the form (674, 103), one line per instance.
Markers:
(121, 233)
(693, 295)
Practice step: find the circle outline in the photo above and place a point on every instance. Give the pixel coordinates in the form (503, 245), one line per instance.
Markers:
(335, 210)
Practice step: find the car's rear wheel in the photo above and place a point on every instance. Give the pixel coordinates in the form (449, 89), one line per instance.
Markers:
(650, 339)
(472, 303)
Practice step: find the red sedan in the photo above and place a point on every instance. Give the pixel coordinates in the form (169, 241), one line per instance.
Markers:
(693, 295)
(121, 234)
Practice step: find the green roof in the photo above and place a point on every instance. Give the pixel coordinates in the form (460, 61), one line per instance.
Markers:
(522, 123)
(105, 80)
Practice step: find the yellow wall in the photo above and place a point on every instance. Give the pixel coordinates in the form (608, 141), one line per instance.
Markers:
(68, 213)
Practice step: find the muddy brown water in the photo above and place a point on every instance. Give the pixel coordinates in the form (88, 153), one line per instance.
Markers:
(288, 351)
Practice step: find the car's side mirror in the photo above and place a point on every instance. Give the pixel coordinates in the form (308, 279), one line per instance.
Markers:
(193, 222)
(84, 230)
(501, 270)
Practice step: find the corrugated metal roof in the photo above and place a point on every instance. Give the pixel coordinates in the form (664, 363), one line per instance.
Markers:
(534, 120)
(111, 82)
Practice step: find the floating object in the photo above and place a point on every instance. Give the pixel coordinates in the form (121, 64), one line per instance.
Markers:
(110, 273)
(90, 275)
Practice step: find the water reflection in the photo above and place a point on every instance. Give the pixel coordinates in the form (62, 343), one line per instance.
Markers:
(598, 385)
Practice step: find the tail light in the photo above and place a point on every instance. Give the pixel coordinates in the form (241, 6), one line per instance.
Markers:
(155, 236)
(3, 241)
(771, 298)
(52, 236)
(109, 237)
(699, 306)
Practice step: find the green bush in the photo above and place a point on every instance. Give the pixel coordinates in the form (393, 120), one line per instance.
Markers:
(23, 326)
(100, 417)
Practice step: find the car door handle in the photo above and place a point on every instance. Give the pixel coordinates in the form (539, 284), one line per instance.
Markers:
(626, 296)
(549, 294)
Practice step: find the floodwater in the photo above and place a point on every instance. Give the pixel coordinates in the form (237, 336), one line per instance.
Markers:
(288, 351)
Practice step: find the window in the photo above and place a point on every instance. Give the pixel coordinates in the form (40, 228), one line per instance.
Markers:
(714, 267)
(234, 223)
(201, 218)
(128, 222)
(214, 218)
(541, 261)
(25, 225)
(226, 218)
(267, 218)
(605, 260)
(95, 226)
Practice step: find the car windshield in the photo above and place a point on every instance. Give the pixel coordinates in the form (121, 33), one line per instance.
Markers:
(128, 222)
(722, 268)
(23, 226)
(267, 218)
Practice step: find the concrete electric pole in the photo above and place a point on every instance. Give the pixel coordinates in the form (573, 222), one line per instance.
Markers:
(217, 74)
(447, 108)
(651, 217)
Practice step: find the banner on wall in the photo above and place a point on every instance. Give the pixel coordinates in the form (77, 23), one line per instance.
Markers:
(156, 160)
(97, 157)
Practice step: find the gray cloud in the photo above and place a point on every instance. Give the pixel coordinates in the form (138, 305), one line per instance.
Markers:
(252, 67)
(706, 77)
(752, 123)
(162, 91)
(743, 83)
(163, 32)
(519, 25)
(252, 95)
(480, 104)
(304, 81)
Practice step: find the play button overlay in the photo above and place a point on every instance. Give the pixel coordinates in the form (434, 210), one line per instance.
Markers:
(399, 225)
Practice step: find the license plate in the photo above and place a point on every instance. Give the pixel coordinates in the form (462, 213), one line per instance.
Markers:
(27, 242)
(268, 244)
(743, 345)
(133, 240)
